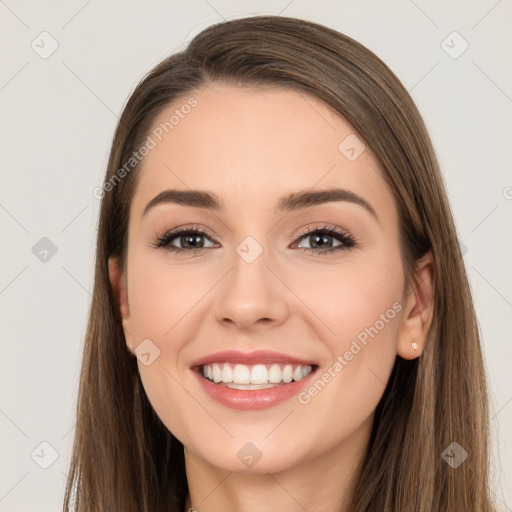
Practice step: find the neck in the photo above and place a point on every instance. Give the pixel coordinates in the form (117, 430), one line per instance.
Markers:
(319, 484)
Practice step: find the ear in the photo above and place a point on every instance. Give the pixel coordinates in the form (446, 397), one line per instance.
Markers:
(418, 309)
(118, 282)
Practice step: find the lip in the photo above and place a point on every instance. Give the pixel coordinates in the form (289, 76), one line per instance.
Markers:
(255, 399)
(250, 358)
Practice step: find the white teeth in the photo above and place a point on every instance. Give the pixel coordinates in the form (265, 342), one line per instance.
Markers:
(217, 373)
(227, 373)
(249, 387)
(258, 376)
(241, 374)
(288, 373)
(274, 374)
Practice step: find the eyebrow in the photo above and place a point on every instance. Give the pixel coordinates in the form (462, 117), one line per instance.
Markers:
(291, 202)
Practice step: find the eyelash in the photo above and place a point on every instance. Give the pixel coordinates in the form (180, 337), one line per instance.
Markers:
(347, 240)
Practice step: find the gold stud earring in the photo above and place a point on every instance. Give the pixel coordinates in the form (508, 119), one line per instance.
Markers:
(414, 345)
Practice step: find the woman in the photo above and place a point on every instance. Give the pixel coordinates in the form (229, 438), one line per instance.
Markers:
(277, 252)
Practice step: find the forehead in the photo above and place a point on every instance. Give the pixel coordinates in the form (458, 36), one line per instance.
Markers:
(252, 145)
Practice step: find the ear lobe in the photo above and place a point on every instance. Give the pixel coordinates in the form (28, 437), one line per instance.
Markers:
(118, 283)
(418, 309)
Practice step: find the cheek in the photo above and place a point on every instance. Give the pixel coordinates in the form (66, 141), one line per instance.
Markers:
(353, 298)
(165, 302)
(161, 297)
(361, 306)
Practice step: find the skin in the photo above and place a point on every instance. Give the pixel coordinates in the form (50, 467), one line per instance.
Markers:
(250, 146)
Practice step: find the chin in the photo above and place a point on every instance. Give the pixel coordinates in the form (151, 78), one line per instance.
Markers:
(259, 456)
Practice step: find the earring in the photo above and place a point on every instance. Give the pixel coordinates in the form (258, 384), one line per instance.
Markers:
(414, 345)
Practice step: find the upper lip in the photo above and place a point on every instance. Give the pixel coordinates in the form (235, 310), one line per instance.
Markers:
(249, 358)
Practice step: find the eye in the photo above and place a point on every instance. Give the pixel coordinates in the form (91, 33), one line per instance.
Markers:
(192, 239)
(189, 238)
(322, 240)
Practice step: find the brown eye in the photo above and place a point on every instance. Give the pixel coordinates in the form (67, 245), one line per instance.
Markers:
(187, 240)
(322, 240)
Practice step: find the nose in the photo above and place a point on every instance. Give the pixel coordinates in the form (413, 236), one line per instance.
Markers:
(251, 295)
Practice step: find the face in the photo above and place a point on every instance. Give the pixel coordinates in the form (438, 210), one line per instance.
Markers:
(295, 310)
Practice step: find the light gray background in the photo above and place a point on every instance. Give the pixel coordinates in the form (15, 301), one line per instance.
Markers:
(57, 120)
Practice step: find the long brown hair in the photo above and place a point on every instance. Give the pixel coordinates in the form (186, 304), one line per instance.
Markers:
(124, 458)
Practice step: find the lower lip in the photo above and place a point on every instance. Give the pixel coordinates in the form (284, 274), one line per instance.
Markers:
(252, 399)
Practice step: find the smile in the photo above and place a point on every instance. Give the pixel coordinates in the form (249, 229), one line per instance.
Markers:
(258, 376)
(252, 381)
